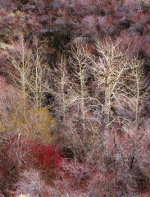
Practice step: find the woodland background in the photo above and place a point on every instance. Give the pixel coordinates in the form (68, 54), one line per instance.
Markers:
(75, 98)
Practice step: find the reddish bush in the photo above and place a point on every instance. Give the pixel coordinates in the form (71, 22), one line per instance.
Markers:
(48, 159)
(18, 154)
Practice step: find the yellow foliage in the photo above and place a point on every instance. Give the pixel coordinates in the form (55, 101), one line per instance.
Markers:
(36, 123)
(40, 124)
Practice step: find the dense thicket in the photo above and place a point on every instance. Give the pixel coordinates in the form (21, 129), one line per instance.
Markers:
(74, 98)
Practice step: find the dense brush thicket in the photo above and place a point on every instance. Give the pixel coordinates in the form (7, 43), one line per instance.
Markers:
(74, 98)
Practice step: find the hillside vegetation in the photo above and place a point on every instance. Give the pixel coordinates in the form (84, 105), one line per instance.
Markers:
(75, 98)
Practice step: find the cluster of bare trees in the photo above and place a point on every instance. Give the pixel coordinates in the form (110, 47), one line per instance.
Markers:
(98, 95)
(93, 90)
(27, 70)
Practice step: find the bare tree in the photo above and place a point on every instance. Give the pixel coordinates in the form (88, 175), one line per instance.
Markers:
(117, 77)
(28, 71)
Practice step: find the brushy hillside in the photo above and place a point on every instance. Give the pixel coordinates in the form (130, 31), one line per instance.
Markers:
(75, 98)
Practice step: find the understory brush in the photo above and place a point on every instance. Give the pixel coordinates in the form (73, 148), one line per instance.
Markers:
(95, 143)
(19, 155)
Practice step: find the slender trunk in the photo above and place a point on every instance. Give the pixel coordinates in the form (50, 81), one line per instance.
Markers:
(81, 76)
(23, 75)
(63, 76)
(137, 96)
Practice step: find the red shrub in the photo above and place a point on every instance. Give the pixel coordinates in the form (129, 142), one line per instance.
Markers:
(18, 154)
(48, 156)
